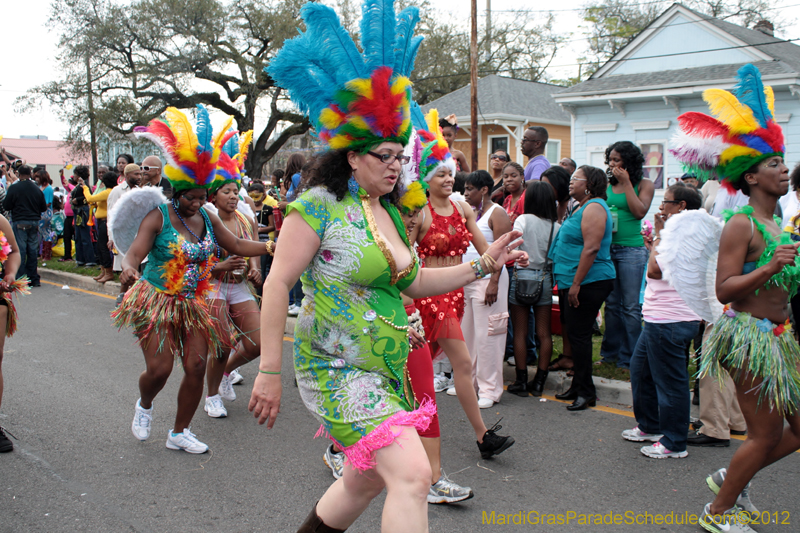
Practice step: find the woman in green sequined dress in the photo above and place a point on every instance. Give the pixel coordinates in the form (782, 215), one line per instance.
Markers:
(350, 246)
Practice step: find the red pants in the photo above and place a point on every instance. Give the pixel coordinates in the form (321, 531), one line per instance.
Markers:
(420, 371)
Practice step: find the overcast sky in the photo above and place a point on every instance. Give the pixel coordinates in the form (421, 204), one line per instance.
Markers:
(32, 48)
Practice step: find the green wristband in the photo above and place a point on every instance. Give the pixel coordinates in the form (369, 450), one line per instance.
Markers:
(268, 372)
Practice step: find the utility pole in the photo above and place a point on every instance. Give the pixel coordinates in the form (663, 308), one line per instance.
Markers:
(488, 30)
(473, 93)
(92, 136)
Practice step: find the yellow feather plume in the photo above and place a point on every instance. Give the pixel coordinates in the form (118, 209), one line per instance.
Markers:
(727, 108)
(186, 138)
(729, 154)
(361, 86)
(216, 140)
(245, 140)
(330, 119)
(414, 198)
(770, 99)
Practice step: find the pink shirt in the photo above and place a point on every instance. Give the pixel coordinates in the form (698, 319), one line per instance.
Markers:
(67, 204)
(663, 305)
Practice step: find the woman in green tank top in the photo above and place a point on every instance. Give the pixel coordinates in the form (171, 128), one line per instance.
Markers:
(629, 198)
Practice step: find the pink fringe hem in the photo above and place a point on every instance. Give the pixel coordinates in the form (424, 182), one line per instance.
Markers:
(361, 455)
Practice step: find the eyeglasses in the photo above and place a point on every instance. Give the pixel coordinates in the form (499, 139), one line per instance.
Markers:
(670, 202)
(150, 168)
(388, 159)
(498, 157)
(530, 140)
(576, 179)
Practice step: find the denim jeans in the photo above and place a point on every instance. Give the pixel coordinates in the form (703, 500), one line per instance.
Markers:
(84, 250)
(296, 294)
(623, 312)
(660, 381)
(26, 232)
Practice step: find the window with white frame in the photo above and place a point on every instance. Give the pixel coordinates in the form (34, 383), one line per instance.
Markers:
(552, 151)
(595, 156)
(654, 152)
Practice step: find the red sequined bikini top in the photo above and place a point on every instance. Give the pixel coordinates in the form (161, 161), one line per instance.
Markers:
(447, 236)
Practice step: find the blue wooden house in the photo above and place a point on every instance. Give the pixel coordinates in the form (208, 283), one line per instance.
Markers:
(639, 93)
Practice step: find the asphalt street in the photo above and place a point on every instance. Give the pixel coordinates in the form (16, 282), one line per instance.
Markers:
(70, 390)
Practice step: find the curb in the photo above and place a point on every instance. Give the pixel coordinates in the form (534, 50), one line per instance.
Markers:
(608, 390)
(110, 288)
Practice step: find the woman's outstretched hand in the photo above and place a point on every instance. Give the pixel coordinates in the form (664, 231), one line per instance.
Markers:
(504, 249)
(265, 401)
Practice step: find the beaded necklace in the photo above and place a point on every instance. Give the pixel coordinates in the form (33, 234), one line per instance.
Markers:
(206, 273)
(788, 278)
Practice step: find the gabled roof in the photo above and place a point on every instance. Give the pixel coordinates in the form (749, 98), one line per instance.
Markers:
(785, 63)
(501, 96)
(40, 151)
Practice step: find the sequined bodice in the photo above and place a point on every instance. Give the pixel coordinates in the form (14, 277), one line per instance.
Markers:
(447, 236)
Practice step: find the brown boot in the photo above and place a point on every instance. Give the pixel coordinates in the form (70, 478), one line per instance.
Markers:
(100, 275)
(314, 524)
(108, 275)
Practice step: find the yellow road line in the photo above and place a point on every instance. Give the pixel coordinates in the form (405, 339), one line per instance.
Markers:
(82, 290)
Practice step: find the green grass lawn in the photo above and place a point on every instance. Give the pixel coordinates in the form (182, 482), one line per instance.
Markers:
(70, 266)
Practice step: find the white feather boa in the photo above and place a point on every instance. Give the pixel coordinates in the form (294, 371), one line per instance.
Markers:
(687, 254)
(127, 214)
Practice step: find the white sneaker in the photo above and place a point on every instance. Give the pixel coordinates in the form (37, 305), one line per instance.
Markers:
(452, 391)
(141, 421)
(485, 403)
(658, 451)
(186, 441)
(441, 382)
(637, 435)
(294, 310)
(215, 408)
(236, 378)
(226, 391)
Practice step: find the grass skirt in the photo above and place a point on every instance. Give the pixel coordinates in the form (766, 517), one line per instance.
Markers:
(20, 286)
(747, 345)
(151, 313)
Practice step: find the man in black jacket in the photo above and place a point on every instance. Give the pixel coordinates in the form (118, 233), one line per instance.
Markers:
(25, 202)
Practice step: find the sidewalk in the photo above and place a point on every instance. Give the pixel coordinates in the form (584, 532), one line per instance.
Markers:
(608, 390)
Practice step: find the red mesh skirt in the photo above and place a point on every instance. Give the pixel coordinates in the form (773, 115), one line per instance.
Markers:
(441, 318)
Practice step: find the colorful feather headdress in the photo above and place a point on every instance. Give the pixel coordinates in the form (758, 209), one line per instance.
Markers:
(354, 100)
(231, 161)
(743, 134)
(192, 156)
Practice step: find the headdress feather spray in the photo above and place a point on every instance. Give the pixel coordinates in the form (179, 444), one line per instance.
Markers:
(231, 160)
(192, 155)
(743, 134)
(354, 100)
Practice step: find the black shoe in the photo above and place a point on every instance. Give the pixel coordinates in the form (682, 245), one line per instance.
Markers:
(696, 423)
(5, 444)
(494, 444)
(582, 403)
(568, 395)
(519, 387)
(698, 439)
(536, 386)
(35, 284)
(737, 432)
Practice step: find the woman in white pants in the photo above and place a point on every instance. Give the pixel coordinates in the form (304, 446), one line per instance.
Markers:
(486, 300)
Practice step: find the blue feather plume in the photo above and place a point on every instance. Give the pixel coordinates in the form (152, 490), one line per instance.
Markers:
(331, 42)
(232, 146)
(204, 130)
(311, 83)
(407, 20)
(417, 117)
(750, 92)
(411, 56)
(378, 24)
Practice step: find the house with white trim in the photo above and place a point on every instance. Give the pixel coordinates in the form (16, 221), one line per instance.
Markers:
(640, 92)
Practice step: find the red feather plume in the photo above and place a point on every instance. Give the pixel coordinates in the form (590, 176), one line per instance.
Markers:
(702, 125)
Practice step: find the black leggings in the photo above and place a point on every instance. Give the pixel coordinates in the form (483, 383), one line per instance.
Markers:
(103, 253)
(580, 320)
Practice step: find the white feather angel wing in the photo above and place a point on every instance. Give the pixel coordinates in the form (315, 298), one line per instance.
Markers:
(688, 257)
(128, 213)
